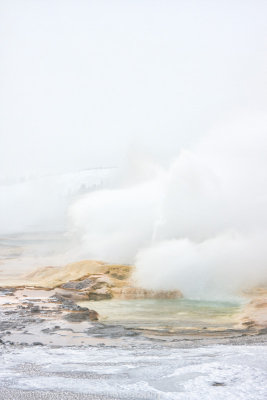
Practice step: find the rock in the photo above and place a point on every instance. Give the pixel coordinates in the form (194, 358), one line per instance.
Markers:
(89, 315)
(74, 296)
(263, 331)
(70, 305)
(118, 276)
(78, 285)
(35, 309)
(121, 272)
(37, 344)
(103, 293)
(97, 296)
(52, 277)
(254, 314)
(67, 303)
(103, 280)
(7, 291)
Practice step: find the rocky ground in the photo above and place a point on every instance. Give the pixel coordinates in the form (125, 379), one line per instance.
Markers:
(42, 309)
(47, 317)
(254, 314)
(53, 348)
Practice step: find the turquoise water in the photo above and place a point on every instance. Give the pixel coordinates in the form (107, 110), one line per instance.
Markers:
(174, 313)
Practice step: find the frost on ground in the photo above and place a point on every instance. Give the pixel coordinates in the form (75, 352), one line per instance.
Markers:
(146, 372)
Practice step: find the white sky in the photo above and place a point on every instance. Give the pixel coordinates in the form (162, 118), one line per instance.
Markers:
(83, 81)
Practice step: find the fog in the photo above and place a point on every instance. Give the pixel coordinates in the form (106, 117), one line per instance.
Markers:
(82, 82)
(199, 225)
(170, 99)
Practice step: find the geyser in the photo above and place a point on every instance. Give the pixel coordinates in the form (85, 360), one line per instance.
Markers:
(199, 225)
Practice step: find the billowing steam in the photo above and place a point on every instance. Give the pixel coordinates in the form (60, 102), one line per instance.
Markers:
(199, 225)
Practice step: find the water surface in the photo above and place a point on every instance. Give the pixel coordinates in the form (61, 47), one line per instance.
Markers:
(171, 314)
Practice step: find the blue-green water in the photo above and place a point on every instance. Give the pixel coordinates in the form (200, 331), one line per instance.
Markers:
(174, 313)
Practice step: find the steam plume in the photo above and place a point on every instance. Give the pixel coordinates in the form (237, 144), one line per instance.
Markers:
(199, 225)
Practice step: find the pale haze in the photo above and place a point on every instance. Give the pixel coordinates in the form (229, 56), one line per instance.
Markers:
(81, 82)
(167, 99)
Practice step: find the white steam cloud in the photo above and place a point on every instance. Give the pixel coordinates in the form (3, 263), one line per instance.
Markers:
(199, 225)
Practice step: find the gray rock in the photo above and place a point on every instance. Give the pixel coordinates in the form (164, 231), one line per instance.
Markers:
(89, 315)
(78, 285)
(98, 296)
(7, 291)
(70, 305)
(57, 298)
(35, 309)
(74, 296)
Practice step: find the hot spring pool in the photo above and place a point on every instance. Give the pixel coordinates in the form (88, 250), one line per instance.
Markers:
(171, 314)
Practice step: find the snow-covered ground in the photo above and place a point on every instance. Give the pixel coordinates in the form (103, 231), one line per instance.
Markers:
(150, 372)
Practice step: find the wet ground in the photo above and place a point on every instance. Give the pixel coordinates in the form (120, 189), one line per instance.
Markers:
(32, 317)
(193, 352)
(47, 356)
